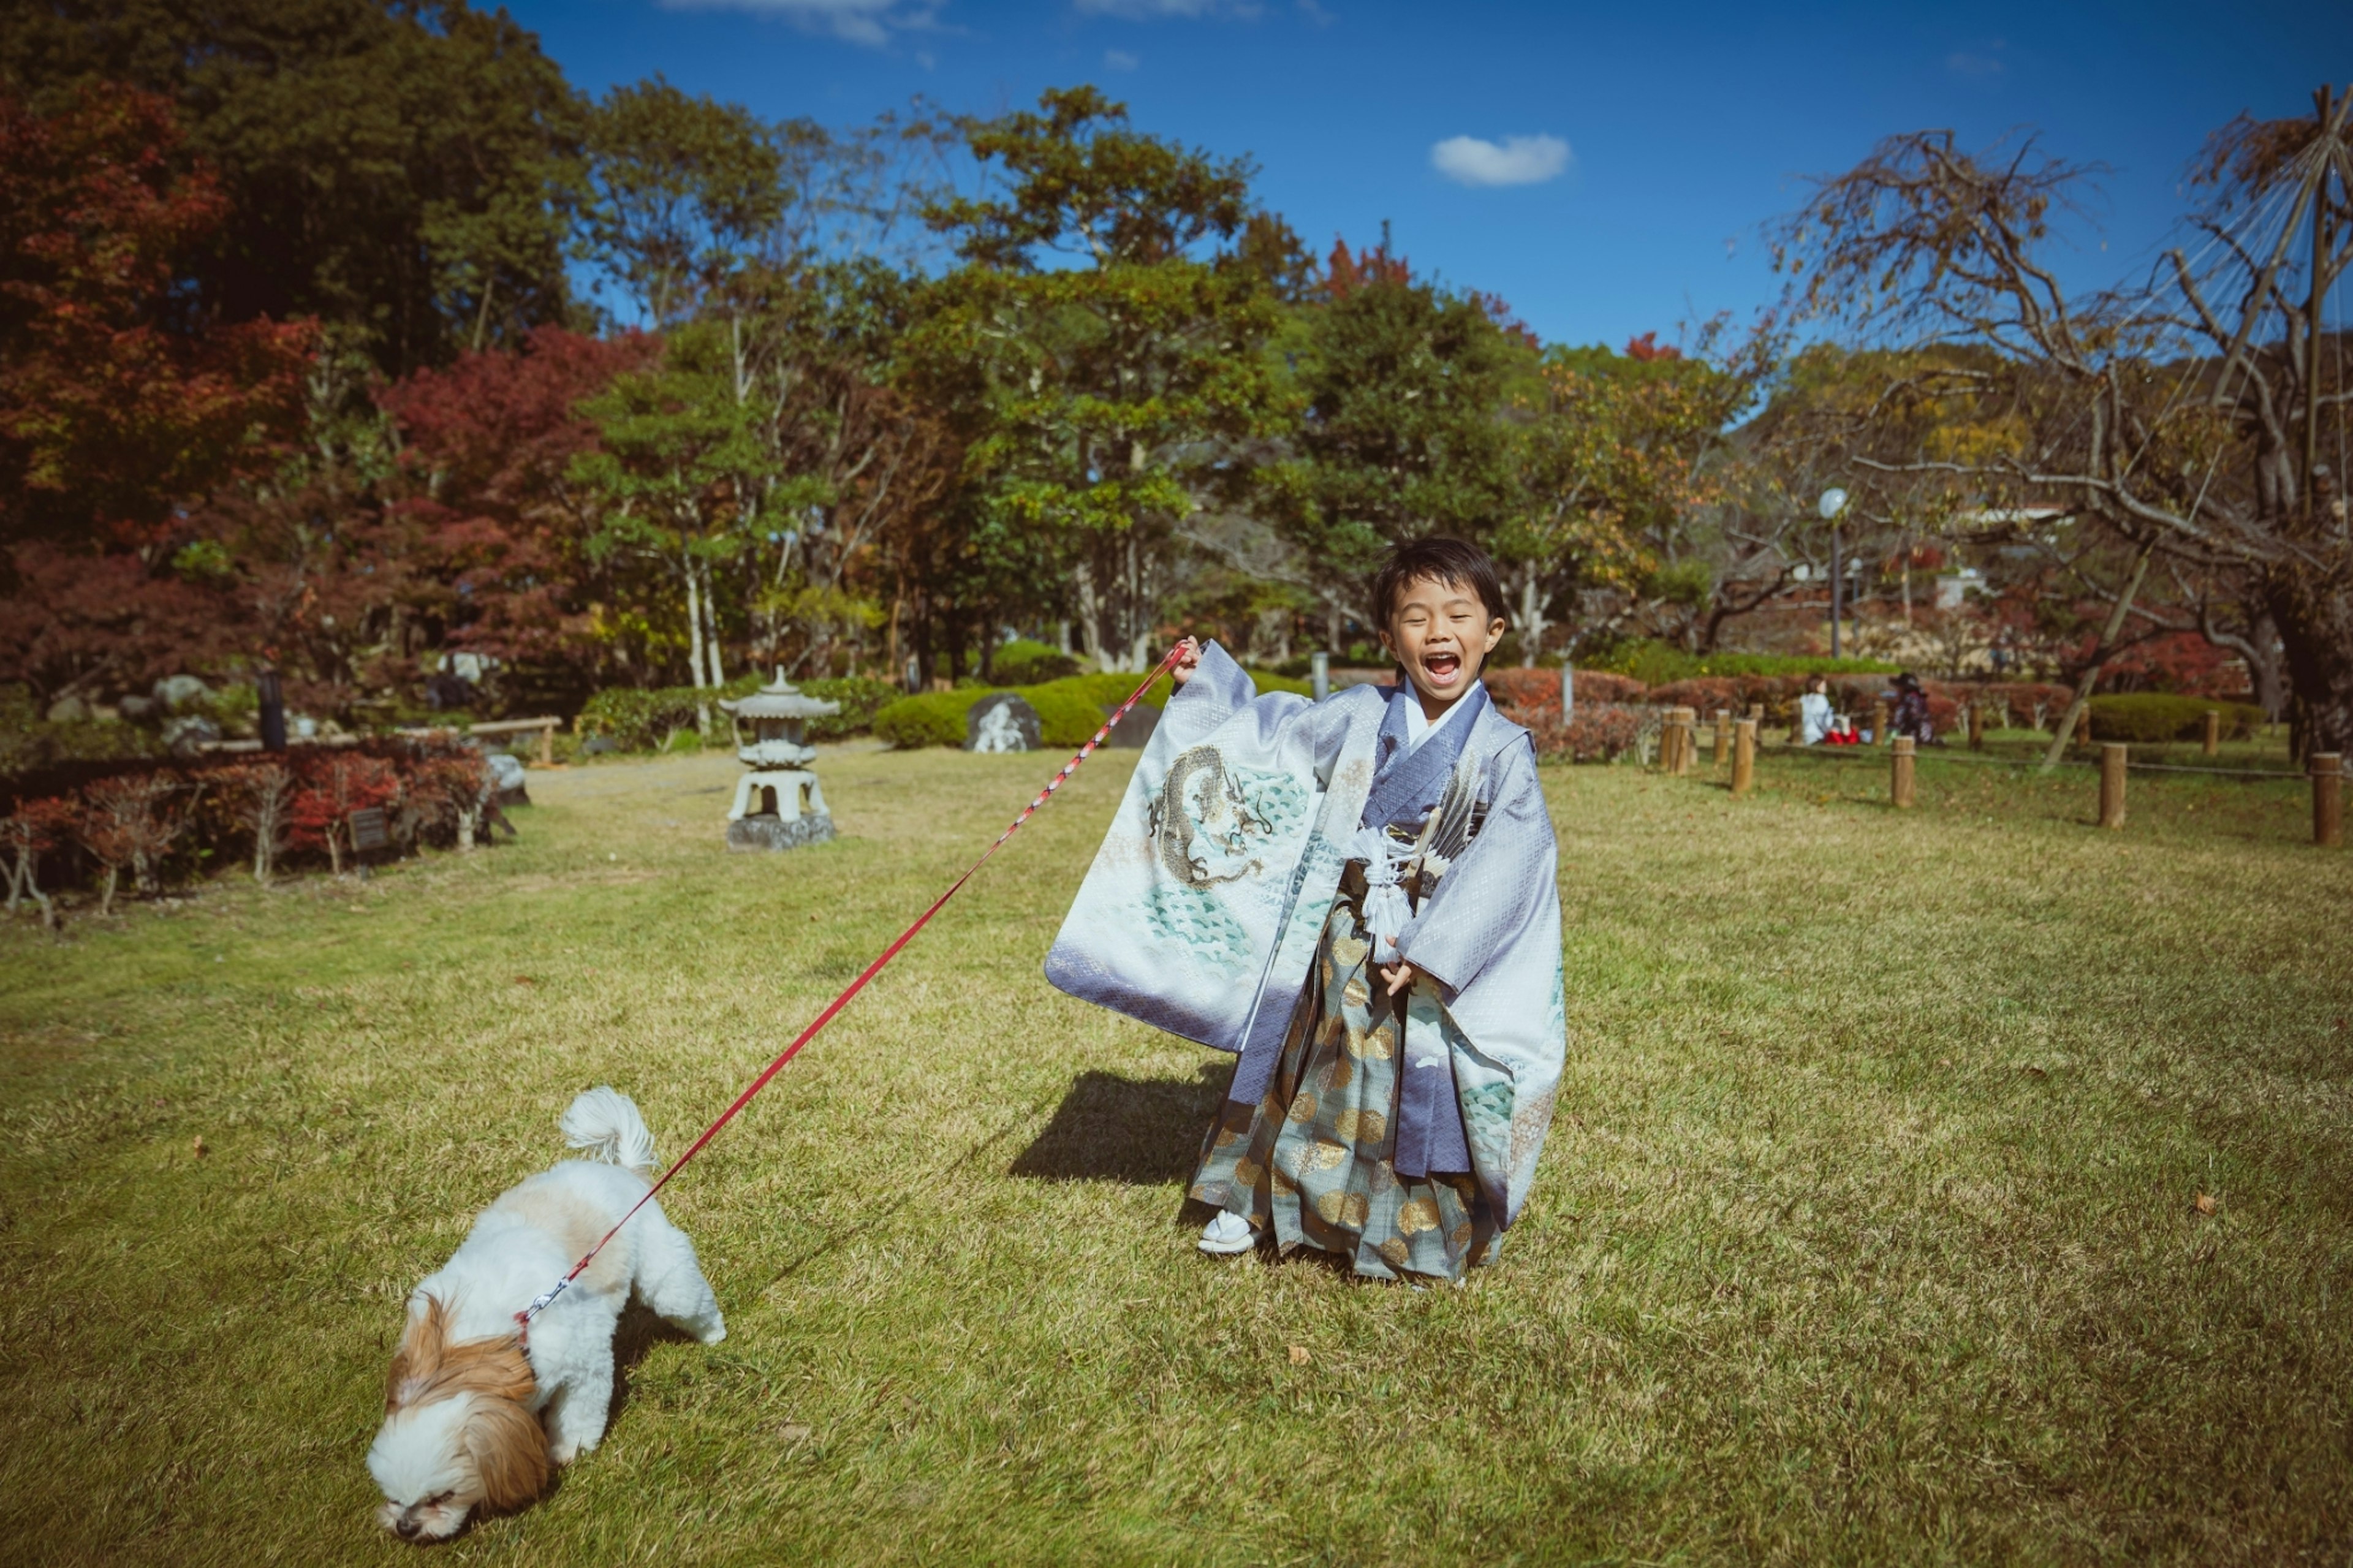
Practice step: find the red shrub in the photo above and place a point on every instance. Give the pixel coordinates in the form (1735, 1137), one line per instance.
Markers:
(1601, 732)
(1538, 690)
(123, 824)
(333, 786)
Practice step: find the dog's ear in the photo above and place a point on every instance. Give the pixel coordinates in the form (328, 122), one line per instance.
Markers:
(509, 1449)
(417, 1365)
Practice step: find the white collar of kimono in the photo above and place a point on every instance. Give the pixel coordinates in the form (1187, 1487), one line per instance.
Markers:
(1419, 726)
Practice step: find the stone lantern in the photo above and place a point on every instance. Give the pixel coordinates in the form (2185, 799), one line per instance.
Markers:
(777, 803)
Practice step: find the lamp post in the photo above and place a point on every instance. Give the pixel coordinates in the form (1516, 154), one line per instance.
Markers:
(1833, 504)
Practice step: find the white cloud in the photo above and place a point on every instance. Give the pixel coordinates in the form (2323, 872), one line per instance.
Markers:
(1149, 10)
(1120, 60)
(1515, 160)
(857, 21)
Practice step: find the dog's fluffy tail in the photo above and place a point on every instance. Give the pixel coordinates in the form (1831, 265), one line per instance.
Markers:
(603, 1122)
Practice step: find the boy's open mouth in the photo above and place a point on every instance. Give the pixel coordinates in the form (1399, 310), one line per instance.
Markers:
(1441, 667)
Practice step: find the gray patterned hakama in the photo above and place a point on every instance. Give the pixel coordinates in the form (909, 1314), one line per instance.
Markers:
(1312, 1160)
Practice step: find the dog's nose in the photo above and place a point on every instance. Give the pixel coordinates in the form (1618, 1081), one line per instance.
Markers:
(408, 1527)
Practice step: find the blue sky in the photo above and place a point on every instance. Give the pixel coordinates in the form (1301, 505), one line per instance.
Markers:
(1653, 139)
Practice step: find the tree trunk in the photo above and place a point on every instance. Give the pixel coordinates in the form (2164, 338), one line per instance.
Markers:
(1529, 620)
(694, 643)
(2314, 611)
(2100, 652)
(711, 616)
(1082, 578)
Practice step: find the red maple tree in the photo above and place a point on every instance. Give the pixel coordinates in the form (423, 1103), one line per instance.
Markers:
(486, 446)
(115, 408)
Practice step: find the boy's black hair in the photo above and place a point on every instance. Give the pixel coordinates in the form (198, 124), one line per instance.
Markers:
(1449, 560)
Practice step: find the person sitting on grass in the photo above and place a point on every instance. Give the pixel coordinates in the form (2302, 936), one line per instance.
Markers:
(1911, 716)
(1358, 896)
(1817, 724)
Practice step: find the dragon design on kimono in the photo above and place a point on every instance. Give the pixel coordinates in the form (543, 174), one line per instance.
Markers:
(1198, 800)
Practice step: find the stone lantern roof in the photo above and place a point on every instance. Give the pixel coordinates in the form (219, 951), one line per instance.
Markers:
(780, 699)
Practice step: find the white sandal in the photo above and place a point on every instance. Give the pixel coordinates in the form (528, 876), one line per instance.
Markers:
(1227, 1234)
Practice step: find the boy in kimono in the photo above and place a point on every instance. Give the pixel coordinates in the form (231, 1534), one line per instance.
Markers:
(1356, 897)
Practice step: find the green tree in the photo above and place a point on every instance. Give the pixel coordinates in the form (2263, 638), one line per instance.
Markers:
(683, 189)
(1106, 336)
(1406, 431)
(677, 459)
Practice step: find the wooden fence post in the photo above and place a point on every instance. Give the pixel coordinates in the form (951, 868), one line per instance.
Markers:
(1879, 736)
(1744, 757)
(1686, 740)
(2084, 725)
(1976, 727)
(1723, 738)
(1900, 784)
(2213, 731)
(2111, 784)
(2328, 799)
(1756, 713)
(547, 744)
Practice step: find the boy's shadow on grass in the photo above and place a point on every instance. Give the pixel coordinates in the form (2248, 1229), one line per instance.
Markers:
(1144, 1131)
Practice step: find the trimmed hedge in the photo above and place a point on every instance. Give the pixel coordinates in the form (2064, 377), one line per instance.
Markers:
(2148, 717)
(1068, 711)
(1022, 662)
(639, 720)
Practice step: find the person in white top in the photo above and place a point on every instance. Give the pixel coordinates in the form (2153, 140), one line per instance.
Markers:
(1817, 724)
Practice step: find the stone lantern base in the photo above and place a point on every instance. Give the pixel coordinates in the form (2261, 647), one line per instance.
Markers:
(765, 831)
(778, 808)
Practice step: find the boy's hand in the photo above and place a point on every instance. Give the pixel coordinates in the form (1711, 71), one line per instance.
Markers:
(1186, 662)
(1399, 976)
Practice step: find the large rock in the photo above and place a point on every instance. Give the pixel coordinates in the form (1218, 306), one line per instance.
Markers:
(180, 693)
(68, 711)
(1133, 732)
(188, 735)
(1001, 721)
(507, 779)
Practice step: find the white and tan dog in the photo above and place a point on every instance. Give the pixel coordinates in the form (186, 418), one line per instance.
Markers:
(472, 1416)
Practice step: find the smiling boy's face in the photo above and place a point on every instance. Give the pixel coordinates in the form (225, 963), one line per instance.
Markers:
(1441, 634)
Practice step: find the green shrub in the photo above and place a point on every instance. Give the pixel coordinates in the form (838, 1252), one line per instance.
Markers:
(644, 720)
(2148, 717)
(1022, 662)
(1068, 711)
(860, 696)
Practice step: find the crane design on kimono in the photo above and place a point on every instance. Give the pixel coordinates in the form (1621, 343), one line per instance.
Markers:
(1199, 805)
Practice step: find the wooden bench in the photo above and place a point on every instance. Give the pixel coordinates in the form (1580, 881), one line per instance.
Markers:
(492, 728)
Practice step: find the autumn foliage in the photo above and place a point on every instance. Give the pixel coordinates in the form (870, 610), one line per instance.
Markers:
(112, 409)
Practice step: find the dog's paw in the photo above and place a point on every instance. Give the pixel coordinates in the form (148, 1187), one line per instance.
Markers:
(561, 1450)
(711, 1333)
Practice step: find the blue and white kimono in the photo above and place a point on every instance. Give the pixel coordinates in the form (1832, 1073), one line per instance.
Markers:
(1241, 899)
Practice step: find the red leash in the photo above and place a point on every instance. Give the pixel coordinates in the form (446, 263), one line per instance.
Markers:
(541, 1303)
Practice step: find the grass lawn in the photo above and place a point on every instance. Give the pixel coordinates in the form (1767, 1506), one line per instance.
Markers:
(1868, 1232)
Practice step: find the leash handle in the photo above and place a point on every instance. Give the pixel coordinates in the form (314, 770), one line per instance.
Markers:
(545, 1299)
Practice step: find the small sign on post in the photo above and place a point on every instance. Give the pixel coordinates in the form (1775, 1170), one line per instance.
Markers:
(2328, 799)
(1901, 781)
(369, 829)
(2112, 783)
